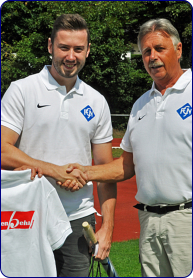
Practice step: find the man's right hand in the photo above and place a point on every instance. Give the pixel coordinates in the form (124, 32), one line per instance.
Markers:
(73, 166)
(71, 177)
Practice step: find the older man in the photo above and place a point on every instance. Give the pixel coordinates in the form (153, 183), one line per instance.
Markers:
(158, 149)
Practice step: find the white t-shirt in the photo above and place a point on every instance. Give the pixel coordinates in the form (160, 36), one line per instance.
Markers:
(33, 224)
(159, 134)
(58, 128)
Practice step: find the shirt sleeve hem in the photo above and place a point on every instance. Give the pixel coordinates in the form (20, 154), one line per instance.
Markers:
(12, 127)
(104, 140)
(127, 149)
(61, 241)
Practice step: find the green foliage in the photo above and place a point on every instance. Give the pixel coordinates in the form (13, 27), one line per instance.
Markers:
(26, 26)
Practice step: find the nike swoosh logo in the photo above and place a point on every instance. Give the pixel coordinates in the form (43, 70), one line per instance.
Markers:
(40, 106)
(141, 117)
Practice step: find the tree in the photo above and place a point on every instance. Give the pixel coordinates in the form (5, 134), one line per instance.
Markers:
(114, 25)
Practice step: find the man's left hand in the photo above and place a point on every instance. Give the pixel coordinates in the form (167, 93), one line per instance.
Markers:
(104, 238)
(34, 170)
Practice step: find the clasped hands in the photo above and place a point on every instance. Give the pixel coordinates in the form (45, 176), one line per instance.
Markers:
(70, 177)
(74, 178)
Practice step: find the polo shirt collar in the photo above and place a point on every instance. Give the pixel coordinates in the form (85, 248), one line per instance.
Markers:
(181, 83)
(153, 89)
(184, 79)
(52, 84)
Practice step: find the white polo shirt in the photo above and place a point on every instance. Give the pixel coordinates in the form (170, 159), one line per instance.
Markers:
(33, 224)
(58, 128)
(159, 134)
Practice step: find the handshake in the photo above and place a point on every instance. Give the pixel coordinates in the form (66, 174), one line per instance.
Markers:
(75, 177)
(70, 177)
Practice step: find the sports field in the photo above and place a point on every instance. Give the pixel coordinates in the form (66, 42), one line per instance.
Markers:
(126, 216)
(125, 247)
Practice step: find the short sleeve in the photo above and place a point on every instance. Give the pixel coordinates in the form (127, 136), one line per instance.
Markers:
(58, 225)
(12, 108)
(103, 132)
(125, 143)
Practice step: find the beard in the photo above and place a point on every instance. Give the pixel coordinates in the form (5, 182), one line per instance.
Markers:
(59, 67)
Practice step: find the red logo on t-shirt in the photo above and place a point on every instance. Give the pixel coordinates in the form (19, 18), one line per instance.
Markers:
(16, 220)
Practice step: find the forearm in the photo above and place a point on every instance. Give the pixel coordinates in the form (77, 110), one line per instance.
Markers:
(115, 171)
(107, 193)
(12, 157)
(107, 197)
(104, 173)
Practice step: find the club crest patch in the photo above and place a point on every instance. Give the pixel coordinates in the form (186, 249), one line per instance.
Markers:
(185, 111)
(88, 113)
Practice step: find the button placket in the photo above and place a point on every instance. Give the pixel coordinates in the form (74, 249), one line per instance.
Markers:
(158, 103)
(64, 109)
(161, 102)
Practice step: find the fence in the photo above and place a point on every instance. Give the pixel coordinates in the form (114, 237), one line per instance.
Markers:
(119, 121)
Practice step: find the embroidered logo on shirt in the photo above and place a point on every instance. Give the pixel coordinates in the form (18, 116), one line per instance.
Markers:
(40, 106)
(185, 111)
(140, 118)
(16, 220)
(88, 113)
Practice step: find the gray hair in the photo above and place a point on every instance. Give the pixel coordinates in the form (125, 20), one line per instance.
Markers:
(161, 24)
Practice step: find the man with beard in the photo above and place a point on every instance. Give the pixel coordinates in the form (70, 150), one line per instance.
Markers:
(53, 118)
(158, 149)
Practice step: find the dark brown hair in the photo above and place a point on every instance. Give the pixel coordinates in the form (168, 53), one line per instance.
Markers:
(69, 22)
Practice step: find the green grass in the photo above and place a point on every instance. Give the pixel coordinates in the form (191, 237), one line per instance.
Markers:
(118, 133)
(124, 255)
(125, 258)
(117, 152)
